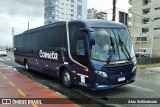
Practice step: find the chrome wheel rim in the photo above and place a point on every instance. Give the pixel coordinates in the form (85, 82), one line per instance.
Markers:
(27, 66)
(66, 78)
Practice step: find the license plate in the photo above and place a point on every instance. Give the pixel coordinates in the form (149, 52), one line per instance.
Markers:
(121, 79)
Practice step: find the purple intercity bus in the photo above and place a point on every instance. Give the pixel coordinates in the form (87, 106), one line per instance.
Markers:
(92, 53)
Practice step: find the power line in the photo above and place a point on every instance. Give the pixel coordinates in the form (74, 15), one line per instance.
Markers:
(140, 7)
(108, 10)
(122, 10)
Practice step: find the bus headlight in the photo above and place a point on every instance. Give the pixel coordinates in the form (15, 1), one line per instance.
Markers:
(102, 73)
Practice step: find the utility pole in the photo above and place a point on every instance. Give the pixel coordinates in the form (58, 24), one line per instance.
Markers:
(114, 10)
(151, 50)
(13, 31)
(13, 36)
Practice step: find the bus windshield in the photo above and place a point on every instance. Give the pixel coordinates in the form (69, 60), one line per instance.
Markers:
(112, 45)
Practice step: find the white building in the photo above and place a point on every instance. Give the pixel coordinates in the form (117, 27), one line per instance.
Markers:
(145, 27)
(91, 13)
(64, 10)
(122, 16)
(94, 14)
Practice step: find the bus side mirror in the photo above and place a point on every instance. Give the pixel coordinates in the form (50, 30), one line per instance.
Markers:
(92, 38)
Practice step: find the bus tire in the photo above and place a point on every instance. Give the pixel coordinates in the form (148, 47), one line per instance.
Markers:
(66, 78)
(26, 65)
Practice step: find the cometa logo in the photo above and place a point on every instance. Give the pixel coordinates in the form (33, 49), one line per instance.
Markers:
(48, 55)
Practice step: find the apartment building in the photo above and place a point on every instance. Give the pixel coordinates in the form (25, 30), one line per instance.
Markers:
(64, 10)
(145, 27)
(94, 14)
(121, 15)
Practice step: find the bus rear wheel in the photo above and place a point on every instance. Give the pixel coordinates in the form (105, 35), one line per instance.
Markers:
(66, 78)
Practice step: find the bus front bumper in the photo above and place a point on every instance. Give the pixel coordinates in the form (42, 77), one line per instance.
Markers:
(112, 82)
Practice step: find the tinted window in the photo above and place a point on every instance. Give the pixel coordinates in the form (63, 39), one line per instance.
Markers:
(78, 43)
(51, 37)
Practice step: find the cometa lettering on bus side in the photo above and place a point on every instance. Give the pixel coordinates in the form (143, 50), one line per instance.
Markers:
(48, 55)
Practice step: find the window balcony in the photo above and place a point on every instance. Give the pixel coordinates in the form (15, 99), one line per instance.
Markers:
(144, 38)
(130, 9)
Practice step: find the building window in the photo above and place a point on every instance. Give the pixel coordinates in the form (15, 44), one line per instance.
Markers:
(146, 2)
(123, 18)
(145, 21)
(145, 30)
(157, 28)
(157, 8)
(146, 11)
(143, 39)
(72, 10)
(72, 15)
(72, 1)
(157, 18)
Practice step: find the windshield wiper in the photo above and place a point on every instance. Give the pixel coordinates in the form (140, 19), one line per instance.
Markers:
(113, 51)
(122, 45)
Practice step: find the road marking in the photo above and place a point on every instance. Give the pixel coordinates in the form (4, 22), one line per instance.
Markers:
(141, 88)
(4, 68)
(21, 92)
(34, 105)
(4, 77)
(12, 84)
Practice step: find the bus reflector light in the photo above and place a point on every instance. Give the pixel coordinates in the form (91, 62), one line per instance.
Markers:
(85, 69)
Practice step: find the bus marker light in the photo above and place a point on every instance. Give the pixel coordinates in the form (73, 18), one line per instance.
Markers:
(85, 69)
(74, 71)
(66, 63)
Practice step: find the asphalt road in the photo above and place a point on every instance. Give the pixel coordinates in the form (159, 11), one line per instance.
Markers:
(147, 85)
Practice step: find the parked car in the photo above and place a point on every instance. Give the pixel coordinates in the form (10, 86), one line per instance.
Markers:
(143, 52)
(3, 52)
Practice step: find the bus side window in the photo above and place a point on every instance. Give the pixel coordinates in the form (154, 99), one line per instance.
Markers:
(80, 48)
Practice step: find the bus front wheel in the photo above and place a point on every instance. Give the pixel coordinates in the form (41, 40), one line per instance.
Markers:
(66, 78)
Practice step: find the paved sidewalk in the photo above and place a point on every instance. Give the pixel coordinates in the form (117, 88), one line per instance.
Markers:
(15, 85)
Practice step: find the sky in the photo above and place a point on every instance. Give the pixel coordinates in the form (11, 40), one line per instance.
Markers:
(17, 14)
